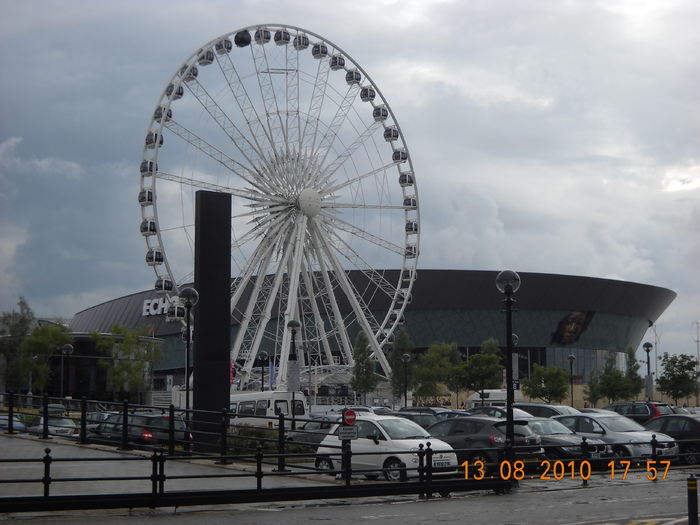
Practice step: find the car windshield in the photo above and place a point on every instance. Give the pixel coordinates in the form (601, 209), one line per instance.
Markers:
(620, 424)
(61, 422)
(400, 428)
(548, 427)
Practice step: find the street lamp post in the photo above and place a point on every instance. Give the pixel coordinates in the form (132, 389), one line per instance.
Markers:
(293, 325)
(571, 359)
(189, 297)
(66, 349)
(405, 358)
(292, 369)
(648, 385)
(262, 357)
(508, 283)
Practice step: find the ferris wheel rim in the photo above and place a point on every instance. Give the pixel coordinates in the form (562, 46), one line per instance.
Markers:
(307, 207)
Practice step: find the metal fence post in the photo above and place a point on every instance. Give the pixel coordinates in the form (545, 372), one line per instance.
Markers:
(258, 467)
(280, 445)
(10, 414)
(654, 444)
(223, 451)
(403, 475)
(83, 421)
(171, 431)
(429, 468)
(157, 475)
(692, 500)
(125, 426)
(347, 461)
(45, 430)
(46, 480)
(584, 457)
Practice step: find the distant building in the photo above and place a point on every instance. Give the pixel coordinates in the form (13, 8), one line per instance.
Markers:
(556, 316)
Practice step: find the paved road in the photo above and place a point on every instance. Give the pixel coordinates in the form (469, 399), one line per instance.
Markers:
(634, 501)
(121, 464)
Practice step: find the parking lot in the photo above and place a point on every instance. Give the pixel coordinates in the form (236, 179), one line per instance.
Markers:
(535, 500)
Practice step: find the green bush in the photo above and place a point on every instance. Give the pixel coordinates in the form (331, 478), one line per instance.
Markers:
(245, 439)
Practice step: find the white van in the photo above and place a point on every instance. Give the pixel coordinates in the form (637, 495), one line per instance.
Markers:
(262, 409)
(492, 397)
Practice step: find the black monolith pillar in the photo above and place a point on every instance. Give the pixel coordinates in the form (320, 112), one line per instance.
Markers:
(212, 318)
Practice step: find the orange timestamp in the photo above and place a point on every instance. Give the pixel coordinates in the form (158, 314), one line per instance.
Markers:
(559, 470)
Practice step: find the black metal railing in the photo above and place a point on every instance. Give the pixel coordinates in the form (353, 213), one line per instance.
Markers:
(227, 443)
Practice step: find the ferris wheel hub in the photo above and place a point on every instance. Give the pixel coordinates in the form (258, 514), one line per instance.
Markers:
(309, 202)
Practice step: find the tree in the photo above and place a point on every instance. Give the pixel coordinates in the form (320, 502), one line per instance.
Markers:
(129, 355)
(679, 378)
(434, 367)
(632, 374)
(364, 379)
(551, 383)
(401, 373)
(612, 383)
(14, 328)
(592, 392)
(490, 346)
(36, 352)
(480, 372)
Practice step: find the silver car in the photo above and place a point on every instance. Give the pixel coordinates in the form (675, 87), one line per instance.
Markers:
(57, 426)
(626, 437)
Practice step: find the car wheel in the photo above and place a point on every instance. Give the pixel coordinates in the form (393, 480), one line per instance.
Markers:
(479, 456)
(620, 453)
(392, 470)
(552, 455)
(324, 463)
(691, 454)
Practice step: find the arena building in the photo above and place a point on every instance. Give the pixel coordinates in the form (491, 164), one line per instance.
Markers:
(555, 316)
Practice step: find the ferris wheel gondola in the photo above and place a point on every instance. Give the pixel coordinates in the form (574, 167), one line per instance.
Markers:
(323, 192)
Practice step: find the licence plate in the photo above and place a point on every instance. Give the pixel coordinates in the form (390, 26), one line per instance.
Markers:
(441, 463)
(530, 460)
(178, 447)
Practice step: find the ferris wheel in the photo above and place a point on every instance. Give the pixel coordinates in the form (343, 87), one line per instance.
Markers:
(324, 198)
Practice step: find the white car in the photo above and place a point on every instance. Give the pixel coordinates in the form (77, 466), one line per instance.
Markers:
(384, 442)
(625, 437)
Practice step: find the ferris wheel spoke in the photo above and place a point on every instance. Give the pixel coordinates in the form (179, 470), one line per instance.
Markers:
(330, 136)
(262, 141)
(356, 180)
(246, 173)
(299, 136)
(347, 153)
(311, 129)
(329, 298)
(343, 281)
(276, 129)
(363, 266)
(361, 310)
(362, 234)
(218, 115)
(252, 323)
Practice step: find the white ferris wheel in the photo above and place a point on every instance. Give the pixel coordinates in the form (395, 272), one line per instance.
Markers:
(324, 198)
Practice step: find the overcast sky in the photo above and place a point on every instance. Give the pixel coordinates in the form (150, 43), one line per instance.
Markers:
(546, 136)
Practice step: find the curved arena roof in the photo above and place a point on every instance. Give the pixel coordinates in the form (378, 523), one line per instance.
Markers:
(464, 307)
